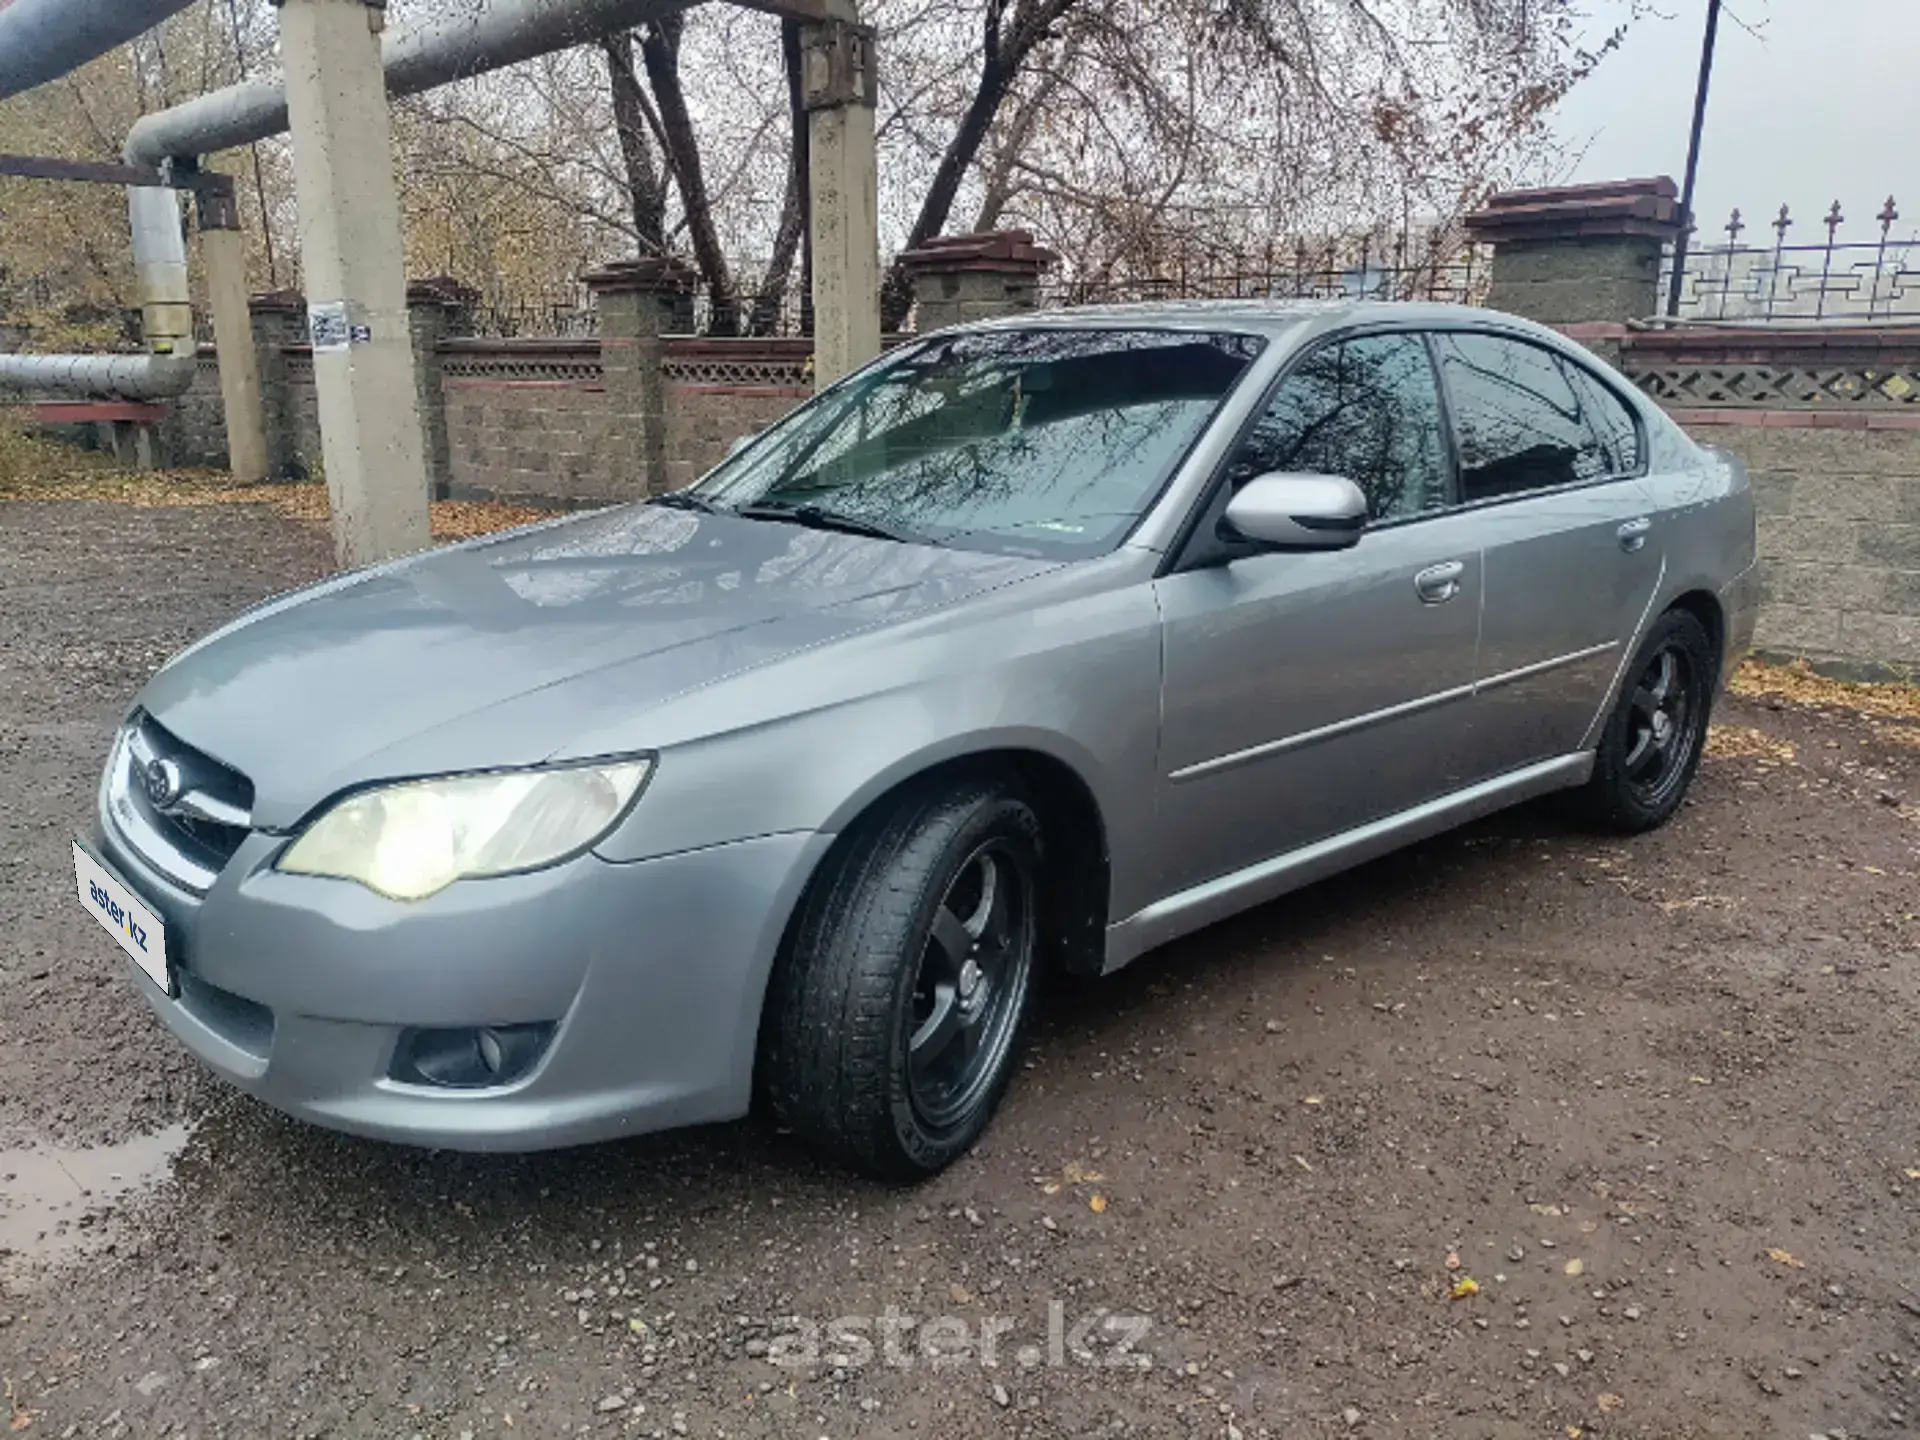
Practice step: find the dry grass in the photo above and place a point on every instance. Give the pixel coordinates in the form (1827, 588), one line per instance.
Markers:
(1796, 683)
(32, 468)
(1743, 742)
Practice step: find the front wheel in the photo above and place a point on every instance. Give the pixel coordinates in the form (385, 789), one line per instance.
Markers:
(898, 1000)
(1652, 744)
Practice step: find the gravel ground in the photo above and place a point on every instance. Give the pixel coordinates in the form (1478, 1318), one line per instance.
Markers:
(1657, 1100)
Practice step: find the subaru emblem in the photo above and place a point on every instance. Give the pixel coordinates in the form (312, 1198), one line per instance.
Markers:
(163, 783)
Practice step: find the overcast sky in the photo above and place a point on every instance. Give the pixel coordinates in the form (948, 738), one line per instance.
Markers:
(1819, 107)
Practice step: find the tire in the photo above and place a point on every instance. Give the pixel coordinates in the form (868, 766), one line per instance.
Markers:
(896, 1005)
(1652, 745)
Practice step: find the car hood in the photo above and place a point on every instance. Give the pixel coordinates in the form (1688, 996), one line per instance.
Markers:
(407, 668)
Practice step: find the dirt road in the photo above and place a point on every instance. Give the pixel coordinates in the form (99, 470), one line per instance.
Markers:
(1659, 1101)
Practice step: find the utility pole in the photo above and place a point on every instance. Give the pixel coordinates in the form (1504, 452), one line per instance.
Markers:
(1693, 160)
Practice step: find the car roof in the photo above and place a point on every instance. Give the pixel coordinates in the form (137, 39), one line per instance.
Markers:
(1268, 317)
(1257, 316)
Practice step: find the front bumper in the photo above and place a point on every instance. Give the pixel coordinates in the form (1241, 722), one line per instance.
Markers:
(302, 990)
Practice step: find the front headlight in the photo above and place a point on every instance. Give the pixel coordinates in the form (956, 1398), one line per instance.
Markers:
(412, 840)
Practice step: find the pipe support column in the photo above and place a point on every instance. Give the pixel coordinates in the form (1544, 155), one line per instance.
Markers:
(351, 251)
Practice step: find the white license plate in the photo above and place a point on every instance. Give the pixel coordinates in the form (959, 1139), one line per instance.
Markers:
(138, 929)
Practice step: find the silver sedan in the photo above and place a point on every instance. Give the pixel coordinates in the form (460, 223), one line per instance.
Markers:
(1031, 646)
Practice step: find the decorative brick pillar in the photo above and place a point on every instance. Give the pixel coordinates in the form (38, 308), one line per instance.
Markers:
(438, 309)
(961, 278)
(637, 301)
(1580, 257)
(279, 319)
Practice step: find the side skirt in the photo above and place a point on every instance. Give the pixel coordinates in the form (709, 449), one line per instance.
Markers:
(1203, 904)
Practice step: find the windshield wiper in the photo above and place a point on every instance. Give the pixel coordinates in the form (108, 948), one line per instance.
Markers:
(684, 500)
(815, 517)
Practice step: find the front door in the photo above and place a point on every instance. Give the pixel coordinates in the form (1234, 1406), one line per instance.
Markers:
(1549, 465)
(1306, 694)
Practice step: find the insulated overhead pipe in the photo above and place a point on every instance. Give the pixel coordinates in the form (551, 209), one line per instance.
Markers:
(41, 40)
(453, 47)
(57, 37)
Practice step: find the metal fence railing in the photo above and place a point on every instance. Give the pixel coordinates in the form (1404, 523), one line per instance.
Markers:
(1828, 280)
(1362, 267)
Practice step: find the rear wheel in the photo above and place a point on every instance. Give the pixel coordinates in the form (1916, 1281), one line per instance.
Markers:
(1652, 744)
(897, 1003)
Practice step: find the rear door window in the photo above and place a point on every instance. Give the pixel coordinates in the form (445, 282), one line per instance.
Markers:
(1527, 419)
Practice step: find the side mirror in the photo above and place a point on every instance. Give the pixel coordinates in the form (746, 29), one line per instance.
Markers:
(1297, 512)
(742, 443)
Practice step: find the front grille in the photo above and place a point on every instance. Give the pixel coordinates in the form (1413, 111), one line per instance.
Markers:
(190, 833)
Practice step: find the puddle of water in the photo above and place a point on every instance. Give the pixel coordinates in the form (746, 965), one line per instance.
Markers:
(51, 1199)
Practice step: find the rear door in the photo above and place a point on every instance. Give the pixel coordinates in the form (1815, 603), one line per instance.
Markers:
(1551, 465)
(1306, 694)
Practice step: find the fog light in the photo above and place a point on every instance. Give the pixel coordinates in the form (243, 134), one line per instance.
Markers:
(469, 1059)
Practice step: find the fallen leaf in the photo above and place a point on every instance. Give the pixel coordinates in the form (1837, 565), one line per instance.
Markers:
(637, 1325)
(1785, 1257)
(1098, 1204)
(1698, 1080)
(961, 1295)
(1574, 1432)
(1464, 1287)
(1301, 1161)
(1075, 1173)
(1873, 869)
(1575, 1267)
(22, 1417)
(1453, 1260)
(1314, 1100)
(1913, 1174)
(1610, 1402)
(1546, 1209)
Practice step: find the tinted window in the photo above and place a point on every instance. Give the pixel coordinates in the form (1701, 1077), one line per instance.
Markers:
(1612, 421)
(1367, 409)
(1044, 441)
(1522, 423)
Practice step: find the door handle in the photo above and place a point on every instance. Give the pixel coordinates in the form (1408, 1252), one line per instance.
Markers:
(1633, 534)
(1438, 584)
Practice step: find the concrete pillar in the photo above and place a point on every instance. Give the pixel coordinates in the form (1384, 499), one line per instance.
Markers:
(839, 82)
(958, 279)
(132, 443)
(1580, 255)
(351, 256)
(637, 301)
(278, 319)
(437, 309)
(223, 249)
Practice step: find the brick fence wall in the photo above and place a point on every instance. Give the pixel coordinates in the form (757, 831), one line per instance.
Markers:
(529, 419)
(1839, 531)
(1827, 421)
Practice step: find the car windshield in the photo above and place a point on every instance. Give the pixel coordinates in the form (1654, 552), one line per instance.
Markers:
(1047, 441)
